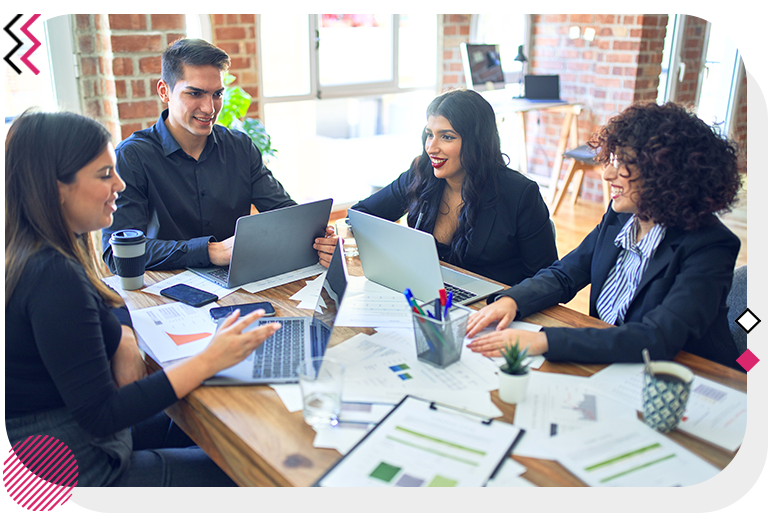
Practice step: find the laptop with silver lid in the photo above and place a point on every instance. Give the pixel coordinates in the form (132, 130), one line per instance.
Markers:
(272, 243)
(400, 257)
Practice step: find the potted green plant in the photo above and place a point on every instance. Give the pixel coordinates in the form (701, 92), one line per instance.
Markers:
(514, 374)
(232, 116)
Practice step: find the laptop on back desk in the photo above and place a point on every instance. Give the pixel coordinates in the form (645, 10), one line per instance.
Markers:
(277, 359)
(399, 257)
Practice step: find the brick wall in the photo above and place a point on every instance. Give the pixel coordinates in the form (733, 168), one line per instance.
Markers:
(137, 42)
(619, 66)
(650, 56)
(97, 83)
(236, 35)
(455, 31)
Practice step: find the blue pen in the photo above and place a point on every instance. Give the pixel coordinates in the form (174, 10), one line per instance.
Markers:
(448, 304)
(412, 301)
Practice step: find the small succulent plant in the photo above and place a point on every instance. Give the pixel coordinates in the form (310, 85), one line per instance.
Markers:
(516, 362)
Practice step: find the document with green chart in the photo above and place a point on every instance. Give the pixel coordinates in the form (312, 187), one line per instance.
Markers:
(421, 443)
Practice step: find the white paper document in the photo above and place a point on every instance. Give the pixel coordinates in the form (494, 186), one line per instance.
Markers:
(629, 453)
(307, 296)
(189, 278)
(509, 475)
(714, 413)
(367, 304)
(559, 403)
(355, 420)
(288, 277)
(421, 445)
(174, 331)
(290, 394)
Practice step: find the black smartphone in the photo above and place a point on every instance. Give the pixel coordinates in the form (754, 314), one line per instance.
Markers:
(225, 311)
(188, 295)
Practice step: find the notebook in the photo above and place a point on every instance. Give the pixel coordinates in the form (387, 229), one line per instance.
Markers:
(276, 360)
(542, 88)
(399, 257)
(272, 243)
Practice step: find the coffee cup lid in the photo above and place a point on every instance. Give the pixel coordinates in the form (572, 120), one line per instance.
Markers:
(127, 237)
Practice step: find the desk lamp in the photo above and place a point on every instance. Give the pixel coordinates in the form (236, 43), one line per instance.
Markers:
(521, 59)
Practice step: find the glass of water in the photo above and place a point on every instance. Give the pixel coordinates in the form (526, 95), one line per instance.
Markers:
(321, 381)
(344, 231)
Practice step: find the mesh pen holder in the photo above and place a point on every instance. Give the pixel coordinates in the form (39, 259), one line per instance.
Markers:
(439, 342)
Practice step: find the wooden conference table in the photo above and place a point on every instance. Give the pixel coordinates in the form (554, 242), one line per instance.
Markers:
(250, 434)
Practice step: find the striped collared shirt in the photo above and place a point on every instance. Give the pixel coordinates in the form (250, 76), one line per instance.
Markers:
(622, 281)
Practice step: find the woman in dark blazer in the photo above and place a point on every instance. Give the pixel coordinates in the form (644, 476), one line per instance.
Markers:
(660, 262)
(485, 217)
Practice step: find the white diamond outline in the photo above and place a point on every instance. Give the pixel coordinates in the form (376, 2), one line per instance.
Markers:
(738, 318)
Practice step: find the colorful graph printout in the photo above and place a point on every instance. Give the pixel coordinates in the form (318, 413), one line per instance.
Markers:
(423, 444)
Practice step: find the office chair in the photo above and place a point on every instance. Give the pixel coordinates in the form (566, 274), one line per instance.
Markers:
(737, 303)
(583, 162)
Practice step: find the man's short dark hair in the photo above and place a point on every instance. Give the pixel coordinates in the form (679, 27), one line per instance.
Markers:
(190, 52)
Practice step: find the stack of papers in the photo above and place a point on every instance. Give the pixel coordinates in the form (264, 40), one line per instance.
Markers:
(173, 331)
(714, 413)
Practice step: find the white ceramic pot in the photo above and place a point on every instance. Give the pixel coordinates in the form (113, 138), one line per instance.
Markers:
(512, 388)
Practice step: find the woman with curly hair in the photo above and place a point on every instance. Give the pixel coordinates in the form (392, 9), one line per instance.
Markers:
(660, 262)
(485, 217)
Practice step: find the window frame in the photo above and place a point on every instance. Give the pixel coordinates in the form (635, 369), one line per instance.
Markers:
(370, 89)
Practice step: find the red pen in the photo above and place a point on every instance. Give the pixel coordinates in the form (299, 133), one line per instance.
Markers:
(443, 297)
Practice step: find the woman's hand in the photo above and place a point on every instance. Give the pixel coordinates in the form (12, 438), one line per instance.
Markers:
(127, 364)
(228, 347)
(231, 345)
(326, 246)
(504, 310)
(491, 344)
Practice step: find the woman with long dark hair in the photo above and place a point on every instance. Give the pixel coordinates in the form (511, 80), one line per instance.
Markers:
(485, 217)
(660, 262)
(73, 370)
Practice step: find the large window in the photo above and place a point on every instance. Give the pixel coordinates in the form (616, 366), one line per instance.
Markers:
(344, 97)
(509, 31)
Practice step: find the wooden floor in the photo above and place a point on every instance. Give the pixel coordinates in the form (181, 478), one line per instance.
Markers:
(573, 223)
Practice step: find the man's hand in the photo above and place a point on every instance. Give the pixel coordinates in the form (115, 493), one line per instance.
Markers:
(127, 364)
(326, 246)
(220, 252)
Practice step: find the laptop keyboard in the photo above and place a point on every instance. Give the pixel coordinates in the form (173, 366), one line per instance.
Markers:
(459, 294)
(283, 351)
(220, 273)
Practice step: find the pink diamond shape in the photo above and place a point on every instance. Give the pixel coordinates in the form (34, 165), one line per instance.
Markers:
(747, 360)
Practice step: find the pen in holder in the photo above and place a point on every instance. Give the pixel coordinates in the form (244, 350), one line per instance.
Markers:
(438, 342)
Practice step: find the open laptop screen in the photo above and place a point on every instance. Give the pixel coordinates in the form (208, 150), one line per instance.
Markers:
(329, 301)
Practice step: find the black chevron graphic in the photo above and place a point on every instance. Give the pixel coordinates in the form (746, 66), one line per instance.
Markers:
(10, 22)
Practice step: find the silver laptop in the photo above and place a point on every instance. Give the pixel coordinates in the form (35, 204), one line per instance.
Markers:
(272, 243)
(276, 360)
(399, 257)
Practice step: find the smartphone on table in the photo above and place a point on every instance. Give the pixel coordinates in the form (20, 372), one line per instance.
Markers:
(188, 295)
(224, 311)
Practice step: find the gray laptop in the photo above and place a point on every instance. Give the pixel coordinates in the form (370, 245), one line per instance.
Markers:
(272, 243)
(399, 257)
(542, 88)
(276, 360)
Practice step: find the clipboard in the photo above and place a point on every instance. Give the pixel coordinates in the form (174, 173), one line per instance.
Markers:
(422, 443)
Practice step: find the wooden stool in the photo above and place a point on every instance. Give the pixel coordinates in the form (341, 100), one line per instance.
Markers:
(583, 162)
